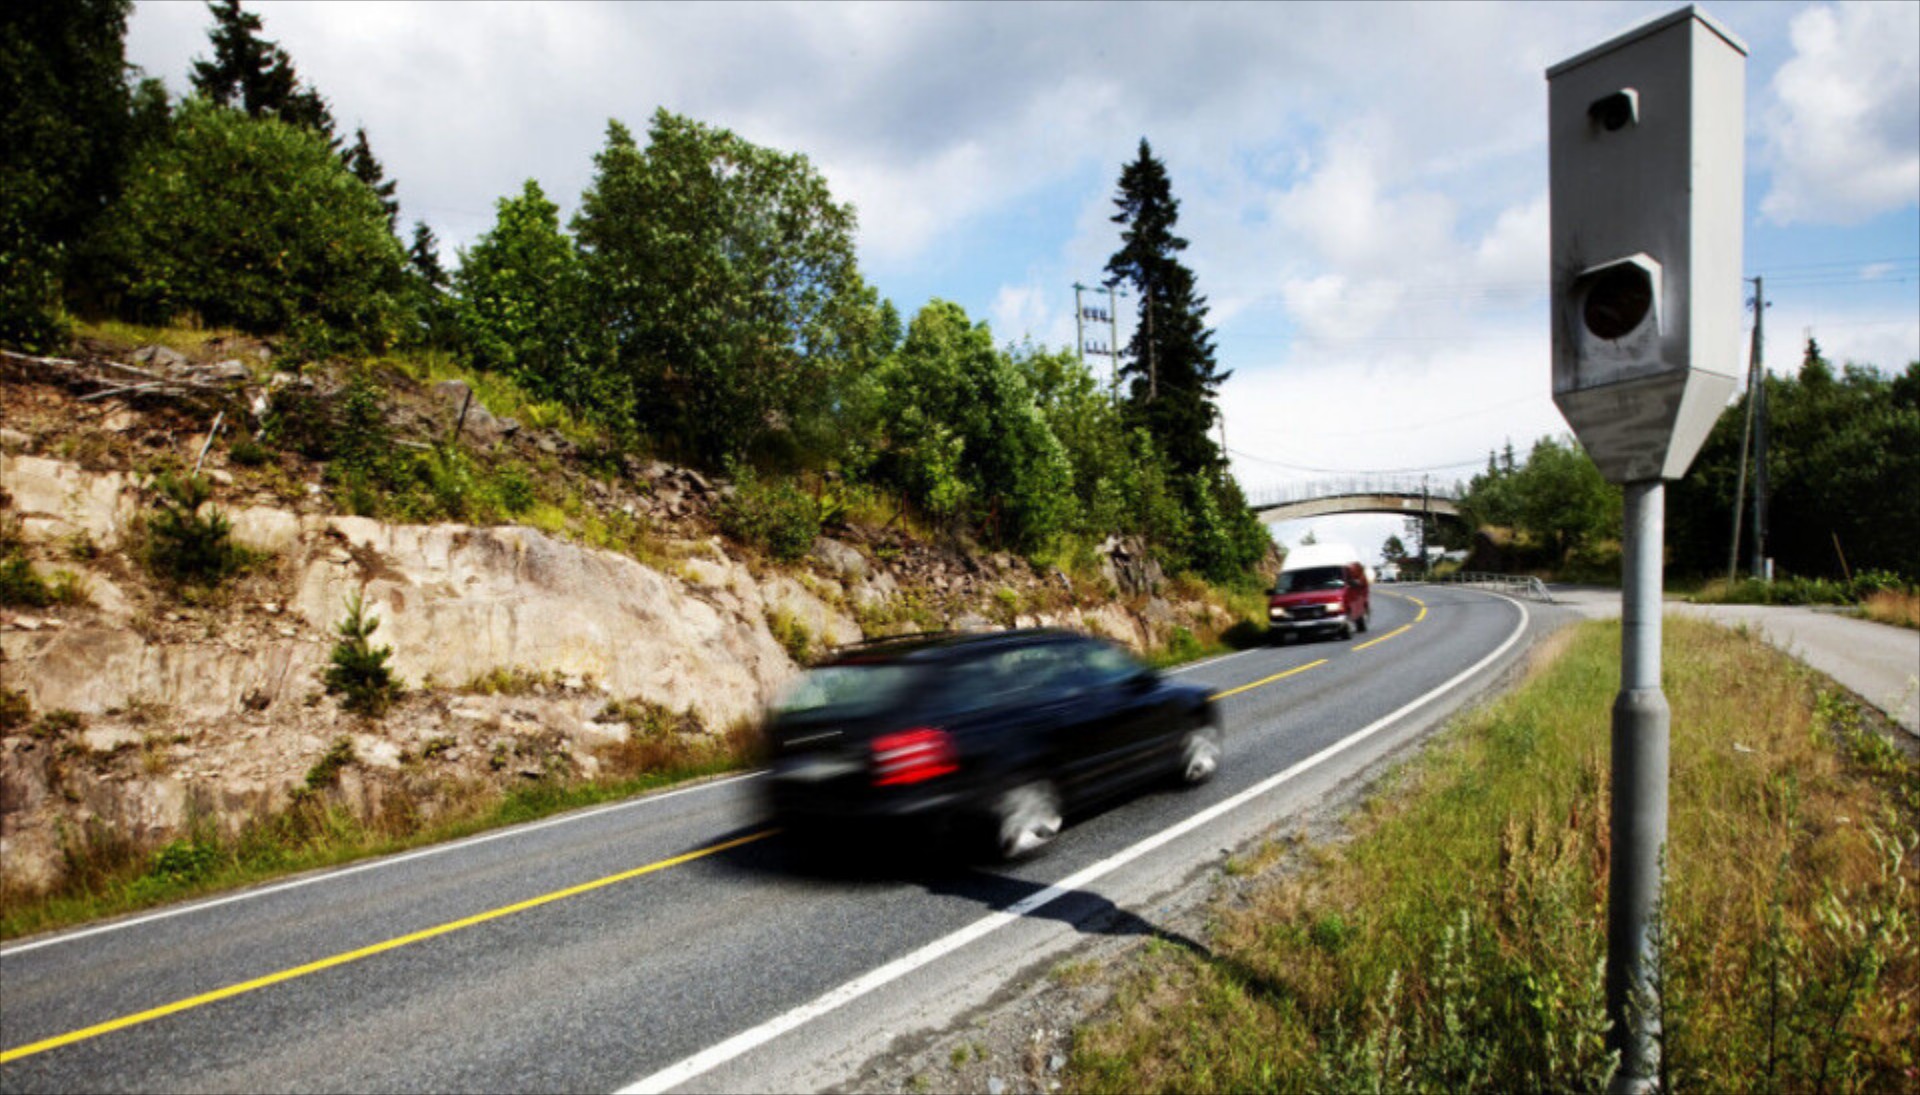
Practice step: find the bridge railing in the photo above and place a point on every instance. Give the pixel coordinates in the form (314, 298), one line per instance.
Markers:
(1513, 585)
(1309, 490)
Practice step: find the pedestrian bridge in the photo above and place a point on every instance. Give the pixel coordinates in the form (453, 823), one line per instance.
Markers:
(1406, 497)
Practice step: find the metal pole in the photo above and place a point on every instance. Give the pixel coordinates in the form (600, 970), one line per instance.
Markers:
(1746, 437)
(1113, 341)
(1759, 433)
(1641, 721)
(1079, 326)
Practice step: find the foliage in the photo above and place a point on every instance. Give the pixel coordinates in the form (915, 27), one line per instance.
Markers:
(1173, 378)
(20, 584)
(64, 111)
(360, 161)
(15, 709)
(188, 542)
(1557, 500)
(359, 671)
(775, 515)
(1797, 590)
(726, 275)
(1837, 442)
(256, 224)
(326, 771)
(522, 296)
(961, 432)
(255, 76)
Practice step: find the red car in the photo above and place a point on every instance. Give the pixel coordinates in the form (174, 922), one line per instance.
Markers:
(1323, 588)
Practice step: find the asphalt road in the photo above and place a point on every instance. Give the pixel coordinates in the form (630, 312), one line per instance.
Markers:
(672, 941)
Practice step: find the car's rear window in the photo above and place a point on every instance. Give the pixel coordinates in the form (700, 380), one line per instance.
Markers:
(1311, 578)
(846, 691)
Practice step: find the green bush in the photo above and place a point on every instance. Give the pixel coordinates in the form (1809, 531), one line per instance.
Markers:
(359, 673)
(256, 224)
(20, 585)
(185, 545)
(774, 516)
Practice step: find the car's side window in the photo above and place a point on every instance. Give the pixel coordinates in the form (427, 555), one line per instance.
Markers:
(1007, 677)
(1097, 665)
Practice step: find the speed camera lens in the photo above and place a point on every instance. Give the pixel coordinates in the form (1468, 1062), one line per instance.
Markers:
(1617, 302)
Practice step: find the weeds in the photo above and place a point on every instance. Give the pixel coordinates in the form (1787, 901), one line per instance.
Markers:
(325, 772)
(15, 709)
(792, 635)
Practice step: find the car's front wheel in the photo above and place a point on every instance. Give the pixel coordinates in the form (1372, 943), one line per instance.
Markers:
(1026, 818)
(1199, 754)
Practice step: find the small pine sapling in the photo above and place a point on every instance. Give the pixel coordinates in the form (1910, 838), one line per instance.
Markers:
(359, 673)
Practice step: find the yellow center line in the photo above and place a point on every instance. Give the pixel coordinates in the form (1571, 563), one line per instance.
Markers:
(367, 952)
(1266, 680)
(1402, 629)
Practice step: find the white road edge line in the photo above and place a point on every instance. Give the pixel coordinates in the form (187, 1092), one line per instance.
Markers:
(329, 876)
(708, 1059)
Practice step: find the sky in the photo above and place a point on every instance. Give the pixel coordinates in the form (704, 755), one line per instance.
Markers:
(1363, 185)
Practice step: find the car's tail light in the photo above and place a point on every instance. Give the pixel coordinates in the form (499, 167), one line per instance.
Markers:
(912, 756)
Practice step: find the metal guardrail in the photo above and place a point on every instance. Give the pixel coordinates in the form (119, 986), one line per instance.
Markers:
(1310, 490)
(1513, 585)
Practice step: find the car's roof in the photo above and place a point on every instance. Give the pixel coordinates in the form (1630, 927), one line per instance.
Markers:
(932, 646)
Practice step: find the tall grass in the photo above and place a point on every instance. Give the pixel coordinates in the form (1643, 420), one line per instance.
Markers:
(1457, 942)
(1889, 606)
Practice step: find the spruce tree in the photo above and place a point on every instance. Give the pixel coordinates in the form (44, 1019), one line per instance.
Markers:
(360, 160)
(254, 75)
(1170, 364)
(424, 257)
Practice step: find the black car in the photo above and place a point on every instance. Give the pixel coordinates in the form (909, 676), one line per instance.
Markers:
(998, 733)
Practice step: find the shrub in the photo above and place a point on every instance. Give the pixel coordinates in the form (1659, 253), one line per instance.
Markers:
(326, 771)
(15, 709)
(186, 546)
(776, 517)
(255, 224)
(20, 585)
(359, 672)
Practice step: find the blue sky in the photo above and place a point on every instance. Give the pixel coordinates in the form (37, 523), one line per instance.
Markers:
(1363, 184)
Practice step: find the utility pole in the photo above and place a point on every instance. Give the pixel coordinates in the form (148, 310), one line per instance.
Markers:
(1426, 514)
(1082, 313)
(1757, 404)
(1153, 350)
(1754, 373)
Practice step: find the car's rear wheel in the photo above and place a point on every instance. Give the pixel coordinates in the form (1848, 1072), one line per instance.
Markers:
(1026, 818)
(1366, 618)
(1199, 754)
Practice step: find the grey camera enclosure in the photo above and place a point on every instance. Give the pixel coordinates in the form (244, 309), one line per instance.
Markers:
(1645, 149)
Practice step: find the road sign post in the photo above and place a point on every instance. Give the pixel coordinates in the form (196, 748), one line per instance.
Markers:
(1645, 148)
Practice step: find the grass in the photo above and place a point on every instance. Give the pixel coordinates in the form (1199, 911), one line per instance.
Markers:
(131, 336)
(1457, 942)
(1890, 606)
(109, 875)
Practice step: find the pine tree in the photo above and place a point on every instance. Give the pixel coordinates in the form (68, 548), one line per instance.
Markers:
(359, 160)
(254, 75)
(424, 257)
(1170, 364)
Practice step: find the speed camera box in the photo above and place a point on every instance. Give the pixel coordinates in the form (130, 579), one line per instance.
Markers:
(1645, 150)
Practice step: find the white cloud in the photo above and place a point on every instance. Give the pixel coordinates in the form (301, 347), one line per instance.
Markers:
(1843, 130)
